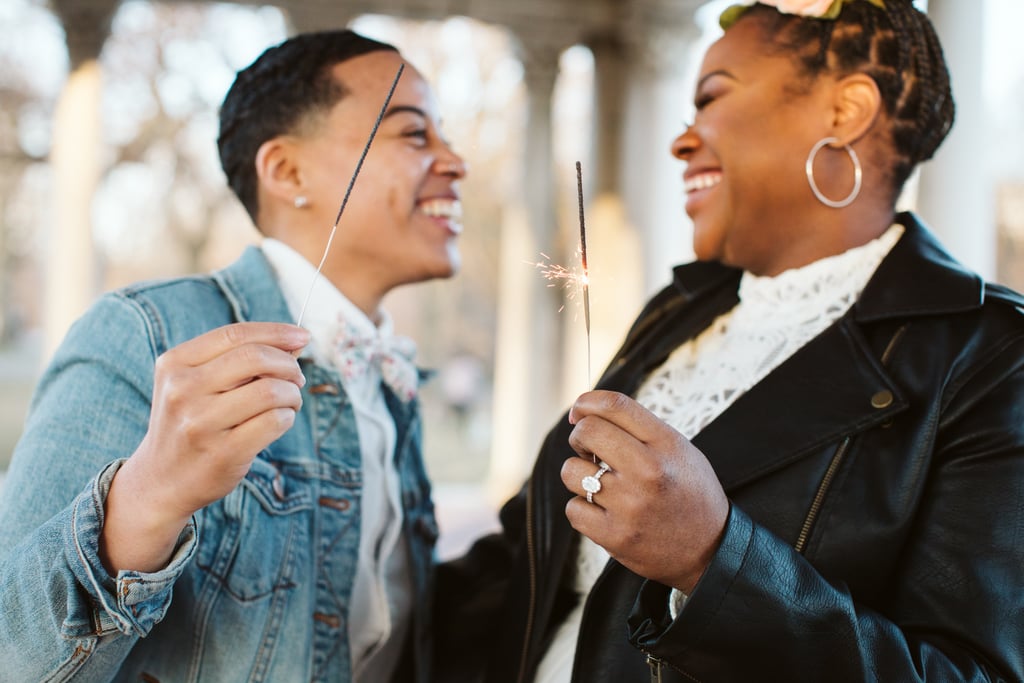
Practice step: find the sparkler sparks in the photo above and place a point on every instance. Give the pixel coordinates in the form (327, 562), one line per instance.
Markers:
(571, 279)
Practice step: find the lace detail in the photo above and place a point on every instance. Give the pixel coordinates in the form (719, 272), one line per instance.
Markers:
(590, 562)
(775, 317)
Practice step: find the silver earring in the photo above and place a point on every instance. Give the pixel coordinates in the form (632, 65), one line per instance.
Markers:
(301, 202)
(857, 175)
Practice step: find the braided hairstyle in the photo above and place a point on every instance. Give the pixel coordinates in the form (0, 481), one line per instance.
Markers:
(276, 94)
(898, 48)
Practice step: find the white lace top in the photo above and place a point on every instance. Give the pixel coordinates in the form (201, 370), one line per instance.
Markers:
(774, 318)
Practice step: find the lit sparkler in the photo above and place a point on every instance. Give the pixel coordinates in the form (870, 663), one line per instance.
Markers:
(348, 191)
(574, 280)
(583, 261)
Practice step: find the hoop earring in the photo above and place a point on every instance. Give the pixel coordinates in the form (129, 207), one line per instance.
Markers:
(858, 175)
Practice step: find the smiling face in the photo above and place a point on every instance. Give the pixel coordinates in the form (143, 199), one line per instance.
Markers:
(756, 121)
(403, 216)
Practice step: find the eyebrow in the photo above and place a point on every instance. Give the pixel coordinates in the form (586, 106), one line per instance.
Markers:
(405, 109)
(716, 72)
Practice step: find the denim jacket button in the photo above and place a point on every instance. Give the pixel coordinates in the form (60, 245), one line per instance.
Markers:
(324, 389)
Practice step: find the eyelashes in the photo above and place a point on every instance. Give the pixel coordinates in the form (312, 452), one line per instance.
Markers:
(702, 101)
(418, 136)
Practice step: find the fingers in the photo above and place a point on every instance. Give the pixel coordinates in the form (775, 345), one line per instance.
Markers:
(618, 430)
(595, 438)
(258, 397)
(214, 343)
(229, 357)
(619, 409)
(579, 473)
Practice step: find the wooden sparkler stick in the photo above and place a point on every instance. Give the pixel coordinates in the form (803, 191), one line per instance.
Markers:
(348, 191)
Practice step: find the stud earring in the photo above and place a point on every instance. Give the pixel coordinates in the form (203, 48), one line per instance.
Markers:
(301, 202)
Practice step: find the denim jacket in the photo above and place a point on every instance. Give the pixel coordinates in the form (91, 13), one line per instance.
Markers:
(259, 586)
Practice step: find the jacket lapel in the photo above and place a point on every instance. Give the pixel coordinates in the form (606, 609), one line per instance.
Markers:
(251, 286)
(835, 387)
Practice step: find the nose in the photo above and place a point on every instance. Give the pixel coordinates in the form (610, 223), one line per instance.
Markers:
(686, 144)
(450, 164)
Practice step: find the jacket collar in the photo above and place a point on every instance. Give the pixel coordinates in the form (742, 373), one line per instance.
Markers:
(252, 290)
(940, 285)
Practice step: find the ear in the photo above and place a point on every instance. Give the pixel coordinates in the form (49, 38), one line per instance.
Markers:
(856, 107)
(277, 169)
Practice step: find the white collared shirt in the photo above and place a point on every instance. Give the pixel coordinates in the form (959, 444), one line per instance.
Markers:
(381, 600)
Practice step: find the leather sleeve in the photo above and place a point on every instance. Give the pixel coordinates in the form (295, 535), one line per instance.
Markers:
(470, 593)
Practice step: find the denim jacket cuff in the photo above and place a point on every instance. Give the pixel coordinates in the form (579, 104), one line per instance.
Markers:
(133, 602)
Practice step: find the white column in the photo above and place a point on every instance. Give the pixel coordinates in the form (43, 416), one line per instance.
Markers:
(75, 156)
(527, 366)
(658, 101)
(71, 283)
(955, 192)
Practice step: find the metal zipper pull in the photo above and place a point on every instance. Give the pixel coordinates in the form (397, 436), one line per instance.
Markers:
(655, 665)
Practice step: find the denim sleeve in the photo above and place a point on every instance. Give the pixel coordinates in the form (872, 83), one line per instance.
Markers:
(61, 614)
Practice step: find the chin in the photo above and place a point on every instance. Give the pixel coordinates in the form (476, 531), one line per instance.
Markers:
(707, 244)
(453, 261)
(442, 271)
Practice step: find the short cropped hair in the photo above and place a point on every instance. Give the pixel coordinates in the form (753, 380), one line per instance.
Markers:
(275, 94)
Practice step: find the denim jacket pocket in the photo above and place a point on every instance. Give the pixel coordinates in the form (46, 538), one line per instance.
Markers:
(250, 540)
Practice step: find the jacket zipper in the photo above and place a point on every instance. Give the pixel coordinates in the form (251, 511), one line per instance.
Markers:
(658, 665)
(531, 554)
(819, 497)
(655, 665)
(837, 459)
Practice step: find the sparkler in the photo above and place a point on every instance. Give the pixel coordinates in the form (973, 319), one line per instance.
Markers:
(583, 261)
(348, 191)
(575, 280)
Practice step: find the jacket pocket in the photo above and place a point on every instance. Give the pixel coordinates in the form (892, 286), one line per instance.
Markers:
(249, 541)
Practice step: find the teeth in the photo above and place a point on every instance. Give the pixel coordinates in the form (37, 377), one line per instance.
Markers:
(442, 208)
(702, 181)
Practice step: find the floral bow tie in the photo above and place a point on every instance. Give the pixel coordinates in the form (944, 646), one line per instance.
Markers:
(355, 352)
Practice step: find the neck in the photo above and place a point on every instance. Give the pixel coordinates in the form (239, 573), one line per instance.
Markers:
(829, 232)
(357, 285)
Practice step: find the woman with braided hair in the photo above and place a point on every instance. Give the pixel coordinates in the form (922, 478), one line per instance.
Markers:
(806, 462)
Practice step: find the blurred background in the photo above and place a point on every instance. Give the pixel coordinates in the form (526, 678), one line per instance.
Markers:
(109, 174)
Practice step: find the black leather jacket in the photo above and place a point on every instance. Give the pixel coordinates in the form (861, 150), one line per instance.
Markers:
(877, 522)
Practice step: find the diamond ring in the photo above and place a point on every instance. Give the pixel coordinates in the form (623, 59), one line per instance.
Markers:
(592, 482)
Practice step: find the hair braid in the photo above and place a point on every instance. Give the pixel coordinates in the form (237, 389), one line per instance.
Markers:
(898, 48)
